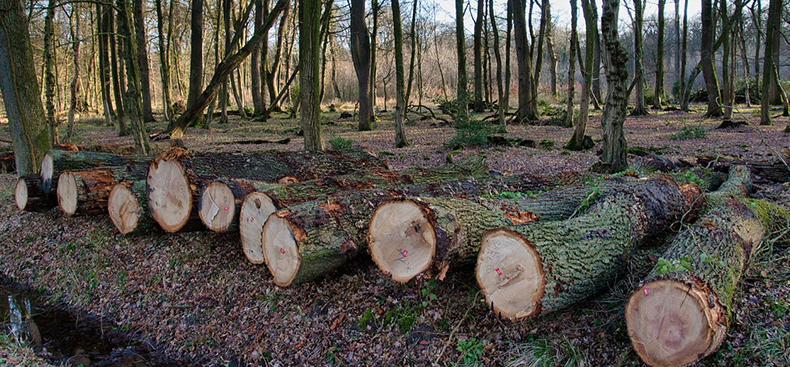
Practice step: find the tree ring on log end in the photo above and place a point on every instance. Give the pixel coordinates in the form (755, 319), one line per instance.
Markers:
(280, 250)
(123, 208)
(217, 206)
(510, 274)
(67, 193)
(402, 240)
(255, 210)
(169, 194)
(20, 193)
(670, 323)
(47, 170)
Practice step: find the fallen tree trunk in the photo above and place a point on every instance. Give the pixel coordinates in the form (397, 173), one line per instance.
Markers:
(57, 161)
(84, 192)
(682, 311)
(29, 194)
(175, 177)
(275, 197)
(773, 171)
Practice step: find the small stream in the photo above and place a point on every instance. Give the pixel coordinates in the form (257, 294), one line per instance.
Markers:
(67, 338)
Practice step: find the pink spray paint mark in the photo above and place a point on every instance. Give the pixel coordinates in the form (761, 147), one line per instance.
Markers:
(498, 272)
(646, 292)
(405, 252)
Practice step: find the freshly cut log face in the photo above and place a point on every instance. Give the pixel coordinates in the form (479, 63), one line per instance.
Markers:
(124, 209)
(84, 192)
(30, 195)
(281, 253)
(217, 206)
(511, 270)
(169, 194)
(255, 210)
(672, 323)
(405, 225)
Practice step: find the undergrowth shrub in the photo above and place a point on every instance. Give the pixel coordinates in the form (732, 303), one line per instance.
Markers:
(690, 132)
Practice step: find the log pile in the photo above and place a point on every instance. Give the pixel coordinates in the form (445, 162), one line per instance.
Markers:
(304, 215)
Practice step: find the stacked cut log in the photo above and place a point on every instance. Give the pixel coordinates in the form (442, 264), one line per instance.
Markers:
(311, 239)
(681, 312)
(176, 178)
(29, 194)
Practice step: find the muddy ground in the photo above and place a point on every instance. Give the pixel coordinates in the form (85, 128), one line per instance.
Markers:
(194, 298)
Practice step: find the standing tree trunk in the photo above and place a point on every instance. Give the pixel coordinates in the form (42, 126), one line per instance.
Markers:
(310, 73)
(639, 68)
(164, 60)
(460, 45)
(772, 26)
(501, 104)
(572, 65)
(360, 55)
(658, 93)
(104, 63)
(596, 86)
(74, 27)
(111, 29)
(525, 106)
(614, 157)
(49, 71)
(775, 95)
(255, 65)
(708, 69)
(134, 100)
(413, 39)
(478, 56)
(142, 57)
(374, 10)
(274, 69)
(20, 89)
(195, 61)
(508, 37)
(400, 103)
(684, 103)
(550, 49)
(578, 140)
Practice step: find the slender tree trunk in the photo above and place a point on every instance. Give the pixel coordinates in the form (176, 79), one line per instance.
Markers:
(614, 157)
(413, 39)
(195, 56)
(757, 16)
(676, 22)
(400, 102)
(209, 119)
(524, 61)
(508, 39)
(360, 56)
(478, 57)
(134, 100)
(577, 141)
(142, 55)
(117, 83)
(572, 65)
(774, 95)
(460, 45)
(708, 68)
(658, 93)
(725, 63)
(49, 71)
(104, 70)
(684, 102)
(374, 11)
(223, 94)
(20, 89)
(550, 49)
(164, 61)
(639, 68)
(772, 26)
(255, 64)
(501, 104)
(310, 73)
(596, 85)
(545, 9)
(74, 27)
(271, 73)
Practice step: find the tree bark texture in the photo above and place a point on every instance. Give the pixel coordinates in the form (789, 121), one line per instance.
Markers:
(478, 56)
(142, 60)
(20, 89)
(461, 95)
(772, 28)
(572, 65)
(400, 102)
(708, 68)
(133, 101)
(658, 92)
(49, 72)
(639, 51)
(614, 157)
(310, 73)
(360, 55)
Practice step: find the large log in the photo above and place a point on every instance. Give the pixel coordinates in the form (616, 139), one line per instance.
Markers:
(29, 194)
(308, 240)
(57, 161)
(681, 312)
(528, 270)
(127, 207)
(84, 192)
(175, 177)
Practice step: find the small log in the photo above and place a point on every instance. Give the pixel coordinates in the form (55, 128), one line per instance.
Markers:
(528, 270)
(127, 207)
(30, 195)
(254, 212)
(57, 161)
(175, 177)
(84, 192)
(681, 312)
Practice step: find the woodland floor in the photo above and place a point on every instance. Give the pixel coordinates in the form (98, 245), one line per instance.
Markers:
(194, 299)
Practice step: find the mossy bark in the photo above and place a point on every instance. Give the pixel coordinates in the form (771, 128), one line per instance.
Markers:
(707, 260)
(580, 256)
